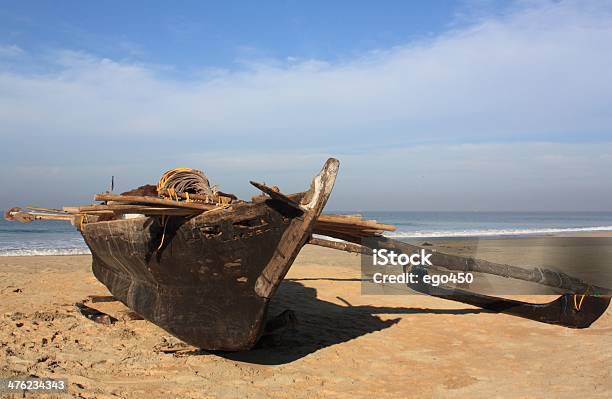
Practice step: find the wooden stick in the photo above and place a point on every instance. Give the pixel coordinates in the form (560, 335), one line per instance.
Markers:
(354, 221)
(342, 246)
(134, 208)
(26, 217)
(155, 201)
(40, 216)
(48, 210)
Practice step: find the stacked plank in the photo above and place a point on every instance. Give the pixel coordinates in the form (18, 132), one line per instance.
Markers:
(350, 227)
(347, 227)
(146, 204)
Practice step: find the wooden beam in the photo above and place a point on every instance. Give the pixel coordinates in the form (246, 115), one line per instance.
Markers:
(124, 208)
(536, 275)
(26, 217)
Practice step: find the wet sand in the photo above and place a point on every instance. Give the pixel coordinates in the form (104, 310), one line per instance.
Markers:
(344, 345)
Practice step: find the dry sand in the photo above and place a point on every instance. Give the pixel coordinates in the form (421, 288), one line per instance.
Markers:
(345, 344)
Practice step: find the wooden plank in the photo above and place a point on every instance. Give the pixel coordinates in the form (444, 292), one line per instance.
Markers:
(338, 220)
(155, 201)
(143, 209)
(277, 195)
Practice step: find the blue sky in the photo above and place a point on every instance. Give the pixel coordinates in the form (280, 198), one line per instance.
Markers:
(429, 105)
(191, 35)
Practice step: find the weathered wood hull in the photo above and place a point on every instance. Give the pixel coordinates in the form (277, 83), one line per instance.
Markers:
(207, 280)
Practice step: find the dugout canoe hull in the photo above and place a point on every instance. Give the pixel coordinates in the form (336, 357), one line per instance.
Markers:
(207, 279)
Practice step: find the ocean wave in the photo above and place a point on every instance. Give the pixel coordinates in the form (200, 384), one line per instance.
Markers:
(38, 251)
(44, 251)
(493, 232)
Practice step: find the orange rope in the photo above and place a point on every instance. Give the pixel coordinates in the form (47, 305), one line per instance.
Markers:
(578, 303)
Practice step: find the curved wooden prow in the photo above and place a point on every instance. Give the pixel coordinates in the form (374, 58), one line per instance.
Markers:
(298, 232)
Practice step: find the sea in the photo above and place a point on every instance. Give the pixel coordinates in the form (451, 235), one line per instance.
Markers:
(60, 238)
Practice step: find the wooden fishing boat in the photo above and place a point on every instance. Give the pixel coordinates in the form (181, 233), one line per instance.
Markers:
(206, 272)
(210, 280)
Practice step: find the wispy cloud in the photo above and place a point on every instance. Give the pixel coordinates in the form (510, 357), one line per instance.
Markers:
(11, 50)
(540, 73)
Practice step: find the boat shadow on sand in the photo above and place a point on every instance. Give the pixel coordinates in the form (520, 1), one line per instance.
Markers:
(318, 324)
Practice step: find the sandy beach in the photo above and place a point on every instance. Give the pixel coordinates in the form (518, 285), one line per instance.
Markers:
(344, 344)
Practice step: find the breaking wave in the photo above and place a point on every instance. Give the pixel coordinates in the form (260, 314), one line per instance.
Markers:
(492, 232)
(44, 251)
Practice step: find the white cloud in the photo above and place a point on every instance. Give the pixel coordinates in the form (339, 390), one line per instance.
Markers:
(11, 50)
(543, 70)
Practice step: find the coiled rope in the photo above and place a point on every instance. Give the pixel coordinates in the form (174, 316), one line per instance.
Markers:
(188, 184)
